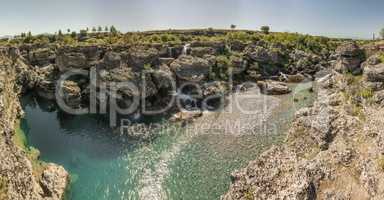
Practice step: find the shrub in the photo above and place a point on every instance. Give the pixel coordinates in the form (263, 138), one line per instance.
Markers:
(381, 57)
(265, 29)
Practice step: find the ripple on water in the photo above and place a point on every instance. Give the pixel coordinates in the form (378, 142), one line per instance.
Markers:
(176, 165)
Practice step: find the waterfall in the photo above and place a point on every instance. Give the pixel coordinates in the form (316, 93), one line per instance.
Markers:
(185, 49)
(170, 52)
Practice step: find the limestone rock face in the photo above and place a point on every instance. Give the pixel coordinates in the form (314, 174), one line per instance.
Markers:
(19, 179)
(262, 54)
(189, 68)
(163, 77)
(304, 62)
(139, 57)
(46, 81)
(201, 51)
(273, 87)
(349, 58)
(66, 61)
(42, 57)
(71, 94)
(374, 73)
(54, 180)
(111, 60)
(324, 144)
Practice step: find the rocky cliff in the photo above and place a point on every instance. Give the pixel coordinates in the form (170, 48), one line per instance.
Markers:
(327, 154)
(22, 175)
(334, 149)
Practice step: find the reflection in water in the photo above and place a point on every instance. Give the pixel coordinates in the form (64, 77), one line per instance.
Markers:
(105, 166)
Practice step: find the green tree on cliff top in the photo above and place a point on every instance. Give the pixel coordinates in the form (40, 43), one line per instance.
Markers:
(382, 33)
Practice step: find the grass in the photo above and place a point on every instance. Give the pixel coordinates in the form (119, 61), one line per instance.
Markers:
(33, 154)
(381, 57)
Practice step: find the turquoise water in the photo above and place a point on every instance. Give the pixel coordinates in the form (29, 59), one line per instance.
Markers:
(105, 166)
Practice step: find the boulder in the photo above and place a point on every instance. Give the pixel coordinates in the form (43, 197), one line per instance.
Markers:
(374, 73)
(189, 68)
(296, 78)
(71, 94)
(185, 116)
(273, 87)
(54, 181)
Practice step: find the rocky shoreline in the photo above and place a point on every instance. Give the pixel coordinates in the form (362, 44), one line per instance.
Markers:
(22, 177)
(333, 149)
(321, 146)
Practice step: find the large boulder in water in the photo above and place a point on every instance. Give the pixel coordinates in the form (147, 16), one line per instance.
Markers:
(54, 181)
(273, 87)
(189, 68)
(71, 94)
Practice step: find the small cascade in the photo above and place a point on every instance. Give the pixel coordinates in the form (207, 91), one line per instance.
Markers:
(186, 47)
(170, 52)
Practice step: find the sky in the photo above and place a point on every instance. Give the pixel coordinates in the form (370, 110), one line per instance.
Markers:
(335, 18)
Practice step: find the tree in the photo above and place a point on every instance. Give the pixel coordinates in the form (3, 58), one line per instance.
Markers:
(22, 35)
(99, 29)
(113, 29)
(106, 29)
(68, 30)
(94, 29)
(233, 26)
(73, 34)
(382, 33)
(60, 33)
(265, 29)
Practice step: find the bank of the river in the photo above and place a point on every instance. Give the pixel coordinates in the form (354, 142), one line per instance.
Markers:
(172, 166)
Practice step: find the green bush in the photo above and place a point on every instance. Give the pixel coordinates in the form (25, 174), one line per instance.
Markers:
(265, 29)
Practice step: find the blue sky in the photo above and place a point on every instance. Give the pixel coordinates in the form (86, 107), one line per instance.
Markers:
(340, 18)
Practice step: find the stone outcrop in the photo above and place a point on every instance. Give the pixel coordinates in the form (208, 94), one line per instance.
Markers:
(273, 87)
(20, 179)
(332, 151)
(189, 68)
(349, 58)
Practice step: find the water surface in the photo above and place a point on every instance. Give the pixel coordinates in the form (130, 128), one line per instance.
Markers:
(173, 166)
